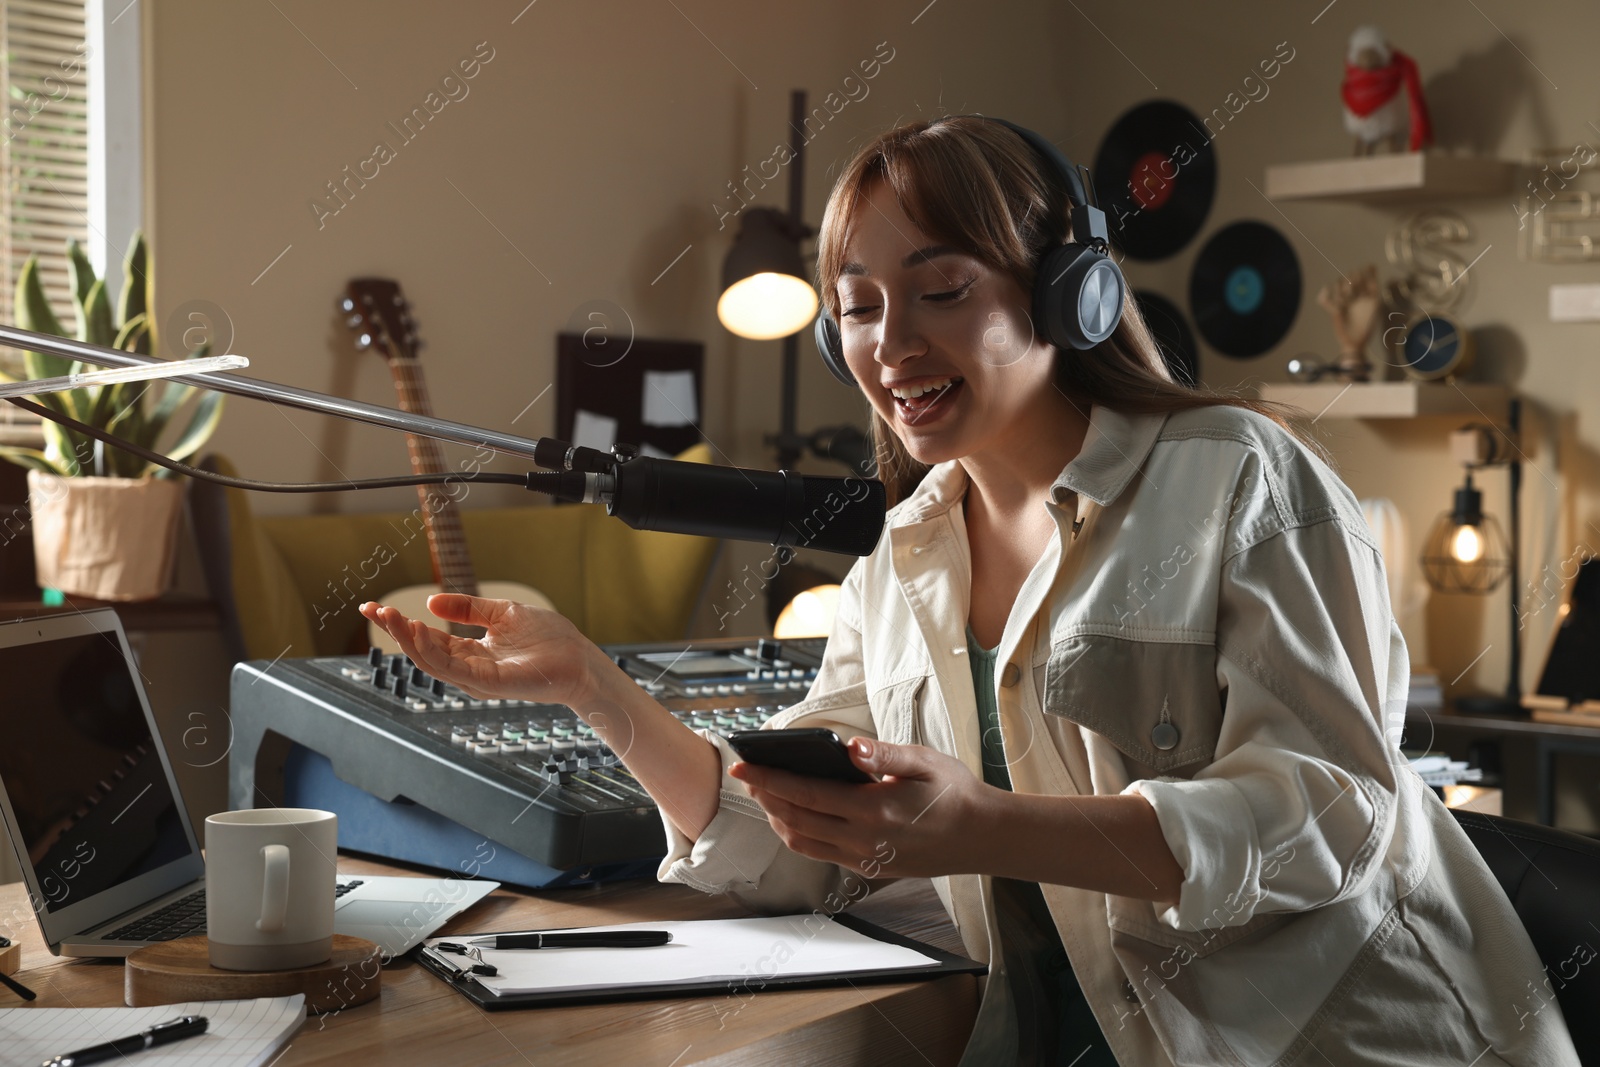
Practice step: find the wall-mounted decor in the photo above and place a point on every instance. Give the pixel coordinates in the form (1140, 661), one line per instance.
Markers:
(1244, 290)
(1155, 176)
(650, 397)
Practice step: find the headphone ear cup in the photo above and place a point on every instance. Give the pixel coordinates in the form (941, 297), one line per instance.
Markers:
(831, 346)
(1077, 296)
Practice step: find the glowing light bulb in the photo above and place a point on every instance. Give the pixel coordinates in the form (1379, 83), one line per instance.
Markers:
(809, 614)
(768, 305)
(1467, 544)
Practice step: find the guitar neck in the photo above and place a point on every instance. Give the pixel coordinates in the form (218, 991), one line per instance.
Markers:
(447, 544)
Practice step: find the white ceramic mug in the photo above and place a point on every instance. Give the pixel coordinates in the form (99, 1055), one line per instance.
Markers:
(270, 887)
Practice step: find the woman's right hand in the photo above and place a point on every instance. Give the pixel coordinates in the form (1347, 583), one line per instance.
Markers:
(526, 654)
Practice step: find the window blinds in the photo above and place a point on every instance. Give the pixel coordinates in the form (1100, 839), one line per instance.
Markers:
(45, 150)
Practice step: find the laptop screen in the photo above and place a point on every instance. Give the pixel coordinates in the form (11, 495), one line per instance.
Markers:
(85, 778)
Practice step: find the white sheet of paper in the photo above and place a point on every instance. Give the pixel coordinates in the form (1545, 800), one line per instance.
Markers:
(594, 431)
(242, 1033)
(669, 398)
(713, 949)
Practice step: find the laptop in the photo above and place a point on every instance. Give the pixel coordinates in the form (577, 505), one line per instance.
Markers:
(95, 815)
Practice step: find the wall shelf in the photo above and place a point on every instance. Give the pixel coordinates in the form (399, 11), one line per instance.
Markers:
(1393, 400)
(1397, 177)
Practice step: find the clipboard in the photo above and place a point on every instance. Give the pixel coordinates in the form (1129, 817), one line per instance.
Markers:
(946, 963)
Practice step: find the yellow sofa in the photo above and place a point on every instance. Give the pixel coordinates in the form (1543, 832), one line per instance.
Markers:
(289, 586)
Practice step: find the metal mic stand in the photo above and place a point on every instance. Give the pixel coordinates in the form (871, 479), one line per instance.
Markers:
(544, 451)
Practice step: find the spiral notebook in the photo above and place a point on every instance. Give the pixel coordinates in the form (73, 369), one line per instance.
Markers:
(242, 1033)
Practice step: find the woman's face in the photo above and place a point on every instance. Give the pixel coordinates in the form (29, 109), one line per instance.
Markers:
(942, 344)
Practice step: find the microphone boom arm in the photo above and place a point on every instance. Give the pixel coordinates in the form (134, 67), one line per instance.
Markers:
(289, 396)
(776, 507)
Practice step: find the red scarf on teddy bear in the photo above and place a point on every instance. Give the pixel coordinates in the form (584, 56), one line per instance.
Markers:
(1367, 90)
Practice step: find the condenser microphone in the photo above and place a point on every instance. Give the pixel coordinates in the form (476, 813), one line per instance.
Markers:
(780, 508)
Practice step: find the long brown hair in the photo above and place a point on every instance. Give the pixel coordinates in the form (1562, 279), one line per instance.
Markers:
(979, 187)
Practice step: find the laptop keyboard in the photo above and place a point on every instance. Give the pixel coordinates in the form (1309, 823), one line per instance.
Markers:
(183, 917)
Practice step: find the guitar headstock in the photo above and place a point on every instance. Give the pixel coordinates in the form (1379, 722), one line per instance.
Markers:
(381, 318)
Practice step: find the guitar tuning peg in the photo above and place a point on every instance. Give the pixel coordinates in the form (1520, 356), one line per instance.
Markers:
(364, 341)
(417, 345)
(347, 304)
(398, 300)
(353, 321)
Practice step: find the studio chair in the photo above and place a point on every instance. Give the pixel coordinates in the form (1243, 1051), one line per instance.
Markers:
(1553, 880)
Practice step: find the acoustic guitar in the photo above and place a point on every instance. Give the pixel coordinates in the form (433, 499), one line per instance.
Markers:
(379, 314)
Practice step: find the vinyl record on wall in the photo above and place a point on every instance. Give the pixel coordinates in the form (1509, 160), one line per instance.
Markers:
(1155, 176)
(1171, 329)
(1244, 291)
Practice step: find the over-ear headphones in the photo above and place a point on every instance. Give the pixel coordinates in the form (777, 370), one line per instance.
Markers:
(1078, 288)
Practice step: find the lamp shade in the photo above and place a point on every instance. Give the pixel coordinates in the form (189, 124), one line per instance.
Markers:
(1466, 552)
(764, 290)
(809, 614)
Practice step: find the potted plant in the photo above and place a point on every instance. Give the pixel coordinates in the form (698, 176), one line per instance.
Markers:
(105, 522)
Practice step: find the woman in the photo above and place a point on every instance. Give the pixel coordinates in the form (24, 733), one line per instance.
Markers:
(1125, 663)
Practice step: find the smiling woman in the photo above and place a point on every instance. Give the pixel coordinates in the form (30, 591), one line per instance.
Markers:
(1181, 834)
(973, 185)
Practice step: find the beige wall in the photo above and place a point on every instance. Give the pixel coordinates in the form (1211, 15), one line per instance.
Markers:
(599, 137)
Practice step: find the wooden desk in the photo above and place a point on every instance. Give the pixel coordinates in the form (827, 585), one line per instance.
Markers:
(418, 1019)
(1549, 739)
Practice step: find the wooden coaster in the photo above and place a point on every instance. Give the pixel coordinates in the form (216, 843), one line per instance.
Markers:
(11, 959)
(175, 971)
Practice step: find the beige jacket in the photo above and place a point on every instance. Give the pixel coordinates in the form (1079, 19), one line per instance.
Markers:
(1211, 629)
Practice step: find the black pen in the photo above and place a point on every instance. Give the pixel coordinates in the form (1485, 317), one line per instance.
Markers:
(559, 939)
(166, 1033)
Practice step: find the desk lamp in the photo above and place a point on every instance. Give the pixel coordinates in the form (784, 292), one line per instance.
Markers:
(1466, 552)
(766, 294)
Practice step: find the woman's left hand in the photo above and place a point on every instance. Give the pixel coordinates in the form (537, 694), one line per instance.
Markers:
(918, 821)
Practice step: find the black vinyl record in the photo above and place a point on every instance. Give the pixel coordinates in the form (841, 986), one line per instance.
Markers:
(1244, 291)
(1171, 329)
(1155, 176)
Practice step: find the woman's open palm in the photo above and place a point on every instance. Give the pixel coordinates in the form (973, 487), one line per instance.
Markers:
(526, 654)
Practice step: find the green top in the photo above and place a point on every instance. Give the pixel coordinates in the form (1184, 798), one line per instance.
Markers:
(1054, 1021)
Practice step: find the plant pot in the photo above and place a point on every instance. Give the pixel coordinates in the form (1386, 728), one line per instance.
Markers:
(106, 538)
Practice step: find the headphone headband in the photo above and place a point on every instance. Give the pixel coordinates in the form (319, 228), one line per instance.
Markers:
(1042, 147)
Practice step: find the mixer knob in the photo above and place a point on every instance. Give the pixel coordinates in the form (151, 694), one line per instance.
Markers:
(380, 677)
(767, 649)
(399, 687)
(438, 687)
(419, 676)
(375, 657)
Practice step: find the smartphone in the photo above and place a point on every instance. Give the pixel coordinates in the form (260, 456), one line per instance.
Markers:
(817, 753)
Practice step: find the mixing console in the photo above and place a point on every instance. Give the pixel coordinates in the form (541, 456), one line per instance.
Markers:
(532, 778)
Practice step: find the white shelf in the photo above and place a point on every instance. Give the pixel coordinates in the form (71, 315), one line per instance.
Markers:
(1388, 178)
(1393, 400)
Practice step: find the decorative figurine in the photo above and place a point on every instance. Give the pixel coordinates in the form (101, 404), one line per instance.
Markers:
(1373, 110)
(1353, 303)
